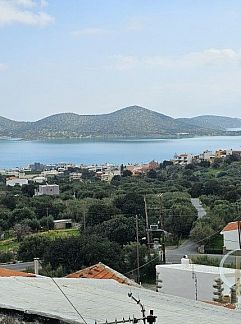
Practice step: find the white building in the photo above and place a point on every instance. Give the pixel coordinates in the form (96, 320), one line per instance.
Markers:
(183, 159)
(187, 280)
(48, 190)
(231, 236)
(208, 156)
(63, 224)
(16, 181)
(39, 179)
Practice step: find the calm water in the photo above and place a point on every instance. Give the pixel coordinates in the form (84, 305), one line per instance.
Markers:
(15, 153)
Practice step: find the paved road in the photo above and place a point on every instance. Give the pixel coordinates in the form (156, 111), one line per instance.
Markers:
(21, 266)
(174, 255)
(196, 202)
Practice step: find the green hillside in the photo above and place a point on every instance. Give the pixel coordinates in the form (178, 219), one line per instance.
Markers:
(213, 122)
(132, 121)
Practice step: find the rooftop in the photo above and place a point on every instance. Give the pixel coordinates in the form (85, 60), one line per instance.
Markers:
(12, 273)
(101, 271)
(197, 268)
(104, 299)
(231, 227)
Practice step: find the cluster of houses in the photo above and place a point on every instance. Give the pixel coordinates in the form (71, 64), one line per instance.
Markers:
(208, 156)
(39, 173)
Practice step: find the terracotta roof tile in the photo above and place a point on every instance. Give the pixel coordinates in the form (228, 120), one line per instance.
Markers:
(230, 227)
(12, 273)
(101, 271)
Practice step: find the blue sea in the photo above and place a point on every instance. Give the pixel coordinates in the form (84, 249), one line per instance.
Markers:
(19, 153)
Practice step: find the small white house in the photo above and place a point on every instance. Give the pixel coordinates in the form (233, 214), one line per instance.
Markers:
(48, 190)
(231, 236)
(16, 181)
(63, 224)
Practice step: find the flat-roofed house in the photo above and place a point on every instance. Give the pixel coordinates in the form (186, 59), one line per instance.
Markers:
(48, 190)
(16, 181)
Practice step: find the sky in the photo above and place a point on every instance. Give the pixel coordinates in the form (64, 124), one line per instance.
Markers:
(178, 57)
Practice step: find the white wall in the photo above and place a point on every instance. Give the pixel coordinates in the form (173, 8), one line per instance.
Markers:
(231, 240)
(180, 283)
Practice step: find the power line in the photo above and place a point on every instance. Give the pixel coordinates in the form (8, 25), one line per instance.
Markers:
(188, 245)
(66, 297)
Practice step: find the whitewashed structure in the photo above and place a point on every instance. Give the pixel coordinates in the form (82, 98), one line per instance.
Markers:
(231, 236)
(193, 280)
(48, 190)
(16, 181)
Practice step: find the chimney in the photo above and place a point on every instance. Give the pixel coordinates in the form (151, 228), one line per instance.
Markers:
(36, 266)
(185, 260)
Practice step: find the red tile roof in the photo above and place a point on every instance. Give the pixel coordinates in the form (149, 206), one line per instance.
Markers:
(101, 271)
(12, 273)
(231, 227)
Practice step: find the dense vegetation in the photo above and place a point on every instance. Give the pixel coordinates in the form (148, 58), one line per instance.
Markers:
(106, 214)
(128, 122)
(213, 122)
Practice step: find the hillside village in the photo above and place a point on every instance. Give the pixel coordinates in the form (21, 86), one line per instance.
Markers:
(177, 215)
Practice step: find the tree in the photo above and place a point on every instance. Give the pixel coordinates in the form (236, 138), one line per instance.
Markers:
(201, 232)
(99, 212)
(21, 231)
(28, 190)
(180, 219)
(130, 204)
(120, 229)
(152, 174)
(74, 253)
(126, 173)
(19, 214)
(33, 247)
(5, 219)
(9, 201)
(47, 222)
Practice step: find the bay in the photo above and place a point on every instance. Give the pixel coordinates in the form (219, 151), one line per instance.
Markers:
(19, 153)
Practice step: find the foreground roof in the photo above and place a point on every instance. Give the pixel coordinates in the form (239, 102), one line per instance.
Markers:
(101, 299)
(101, 271)
(12, 273)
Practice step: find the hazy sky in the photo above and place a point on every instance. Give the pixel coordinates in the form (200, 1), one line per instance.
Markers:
(178, 57)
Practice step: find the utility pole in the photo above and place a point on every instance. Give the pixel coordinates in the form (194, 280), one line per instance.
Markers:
(237, 259)
(137, 250)
(84, 220)
(163, 233)
(147, 224)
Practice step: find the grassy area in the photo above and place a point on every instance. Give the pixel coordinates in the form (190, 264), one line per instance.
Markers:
(214, 172)
(53, 234)
(12, 245)
(9, 245)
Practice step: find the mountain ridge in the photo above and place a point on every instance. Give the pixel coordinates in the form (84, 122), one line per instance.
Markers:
(132, 121)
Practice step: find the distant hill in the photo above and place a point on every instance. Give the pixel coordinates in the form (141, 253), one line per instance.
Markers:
(213, 122)
(132, 121)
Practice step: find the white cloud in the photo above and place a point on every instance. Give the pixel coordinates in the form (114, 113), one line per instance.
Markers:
(91, 31)
(26, 12)
(209, 57)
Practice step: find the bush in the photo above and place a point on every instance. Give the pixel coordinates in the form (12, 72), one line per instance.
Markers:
(6, 257)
